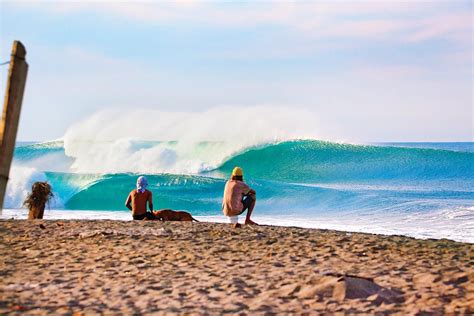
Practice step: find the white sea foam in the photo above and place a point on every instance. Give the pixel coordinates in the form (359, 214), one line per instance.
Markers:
(19, 184)
(22, 178)
(104, 142)
(49, 162)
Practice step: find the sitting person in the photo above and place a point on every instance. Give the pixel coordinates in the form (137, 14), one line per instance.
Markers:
(41, 194)
(238, 197)
(137, 199)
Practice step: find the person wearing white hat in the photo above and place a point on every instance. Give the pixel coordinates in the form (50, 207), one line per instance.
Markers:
(137, 200)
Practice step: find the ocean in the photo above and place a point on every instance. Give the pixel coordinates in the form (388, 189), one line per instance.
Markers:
(423, 190)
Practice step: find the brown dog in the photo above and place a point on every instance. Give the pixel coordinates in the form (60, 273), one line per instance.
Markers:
(170, 215)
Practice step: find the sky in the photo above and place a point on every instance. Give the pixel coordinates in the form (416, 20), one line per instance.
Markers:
(367, 71)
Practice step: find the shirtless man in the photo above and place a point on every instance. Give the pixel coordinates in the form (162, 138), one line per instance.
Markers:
(137, 200)
(238, 198)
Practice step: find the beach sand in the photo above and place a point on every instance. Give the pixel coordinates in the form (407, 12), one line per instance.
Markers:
(119, 267)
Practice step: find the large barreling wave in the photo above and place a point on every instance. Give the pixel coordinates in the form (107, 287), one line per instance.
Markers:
(299, 179)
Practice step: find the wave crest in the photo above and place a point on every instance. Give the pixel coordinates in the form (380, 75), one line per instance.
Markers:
(147, 141)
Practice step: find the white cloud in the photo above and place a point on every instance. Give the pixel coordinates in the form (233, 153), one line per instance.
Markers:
(447, 26)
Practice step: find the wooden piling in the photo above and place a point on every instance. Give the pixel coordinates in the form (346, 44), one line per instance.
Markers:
(11, 112)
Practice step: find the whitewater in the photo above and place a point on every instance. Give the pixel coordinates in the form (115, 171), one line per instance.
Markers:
(423, 190)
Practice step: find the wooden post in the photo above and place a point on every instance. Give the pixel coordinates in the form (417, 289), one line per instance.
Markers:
(11, 112)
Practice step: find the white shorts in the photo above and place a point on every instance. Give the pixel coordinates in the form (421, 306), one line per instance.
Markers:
(234, 219)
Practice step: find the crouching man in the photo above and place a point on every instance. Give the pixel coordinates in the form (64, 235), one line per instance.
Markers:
(238, 198)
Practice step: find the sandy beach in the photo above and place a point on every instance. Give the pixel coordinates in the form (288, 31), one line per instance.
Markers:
(119, 267)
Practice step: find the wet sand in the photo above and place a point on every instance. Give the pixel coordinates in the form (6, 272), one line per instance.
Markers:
(118, 267)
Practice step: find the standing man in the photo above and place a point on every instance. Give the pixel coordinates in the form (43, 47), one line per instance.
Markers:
(137, 200)
(238, 198)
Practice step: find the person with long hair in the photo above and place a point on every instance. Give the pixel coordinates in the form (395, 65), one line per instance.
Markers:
(41, 193)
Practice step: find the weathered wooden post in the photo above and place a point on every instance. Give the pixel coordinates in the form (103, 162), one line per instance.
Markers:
(11, 112)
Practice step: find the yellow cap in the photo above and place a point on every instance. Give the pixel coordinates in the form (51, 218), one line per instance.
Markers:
(237, 172)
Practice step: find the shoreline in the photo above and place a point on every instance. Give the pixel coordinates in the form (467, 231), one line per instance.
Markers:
(109, 266)
(464, 231)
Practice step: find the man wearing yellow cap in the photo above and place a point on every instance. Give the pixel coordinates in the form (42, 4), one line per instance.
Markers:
(238, 198)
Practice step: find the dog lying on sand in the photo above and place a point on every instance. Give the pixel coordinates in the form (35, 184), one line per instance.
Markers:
(170, 215)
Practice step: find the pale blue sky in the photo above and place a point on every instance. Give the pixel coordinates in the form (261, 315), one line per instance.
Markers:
(369, 71)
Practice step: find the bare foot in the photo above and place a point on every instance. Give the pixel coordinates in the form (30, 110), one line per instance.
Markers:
(250, 222)
(236, 225)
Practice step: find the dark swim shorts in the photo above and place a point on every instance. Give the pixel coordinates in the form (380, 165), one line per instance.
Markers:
(147, 215)
(246, 201)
